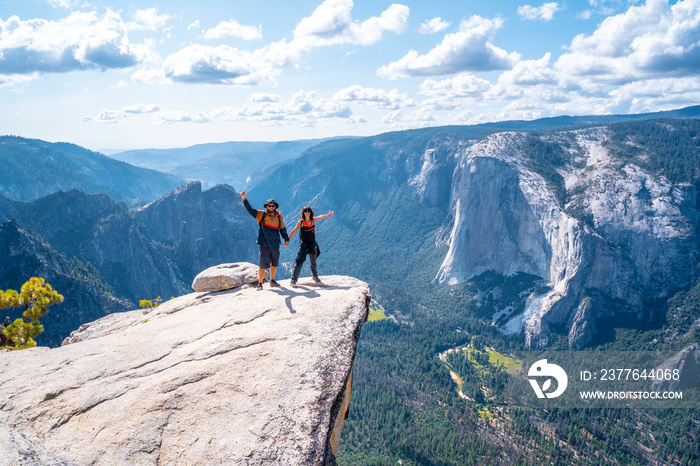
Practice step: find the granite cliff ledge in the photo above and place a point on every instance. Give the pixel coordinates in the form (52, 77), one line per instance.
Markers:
(232, 377)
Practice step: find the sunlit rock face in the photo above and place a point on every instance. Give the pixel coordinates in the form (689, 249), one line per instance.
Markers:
(234, 377)
(633, 241)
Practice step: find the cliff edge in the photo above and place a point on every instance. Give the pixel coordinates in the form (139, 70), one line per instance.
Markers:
(233, 377)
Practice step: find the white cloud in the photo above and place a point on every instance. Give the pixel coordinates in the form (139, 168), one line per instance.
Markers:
(141, 108)
(148, 19)
(544, 12)
(216, 65)
(392, 119)
(80, 41)
(451, 93)
(470, 49)
(184, 117)
(652, 40)
(16, 80)
(462, 85)
(264, 97)
(193, 25)
(303, 108)
(529, 73)
(233, 29)
(109, 116)
(392, 100)
(63, 3)
(654, 95)
(149, 75)
(331, 23)
(434, 25)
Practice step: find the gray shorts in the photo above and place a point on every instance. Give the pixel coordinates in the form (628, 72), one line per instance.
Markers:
(269, 257)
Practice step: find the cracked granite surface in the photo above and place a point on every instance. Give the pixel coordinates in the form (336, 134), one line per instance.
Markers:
(234, 377)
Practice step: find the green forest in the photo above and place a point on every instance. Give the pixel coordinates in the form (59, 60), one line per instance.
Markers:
(405, 406)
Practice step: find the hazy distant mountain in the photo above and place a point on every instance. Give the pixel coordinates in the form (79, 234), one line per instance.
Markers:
(33, 168)
(231, 163)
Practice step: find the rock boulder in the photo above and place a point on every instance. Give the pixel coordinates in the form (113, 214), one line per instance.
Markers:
(225, 277)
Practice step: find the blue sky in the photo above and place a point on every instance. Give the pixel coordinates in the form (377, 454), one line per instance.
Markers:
(122, 75)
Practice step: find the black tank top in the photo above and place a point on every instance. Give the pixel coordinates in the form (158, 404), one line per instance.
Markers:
(308, 233)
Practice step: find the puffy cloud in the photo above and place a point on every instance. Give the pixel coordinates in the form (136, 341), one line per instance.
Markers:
(215, 65)
(63, 3)
(462, 85)
(149, 19)
(108, 116)
(392, 119)
(450, 93)
(331, 23)
(392, 100)
(120, 116)
(303, 108)
(141, 108)
(184, 117)
(16, 80)
(544, 12)
(80, 41)
(530, 73)
(470, 49)
(233, 29)
(654, 95)
(264, 97)
(652, 40)
(193, 25)
(434, 25)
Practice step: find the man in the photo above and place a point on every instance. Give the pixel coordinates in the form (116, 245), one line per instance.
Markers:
(271, 228)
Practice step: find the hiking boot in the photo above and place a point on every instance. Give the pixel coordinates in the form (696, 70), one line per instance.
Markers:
(293, 284)
(274, 283)
(259, 286)
(317, 280)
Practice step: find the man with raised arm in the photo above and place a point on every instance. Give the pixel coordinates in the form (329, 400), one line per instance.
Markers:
(271, 227)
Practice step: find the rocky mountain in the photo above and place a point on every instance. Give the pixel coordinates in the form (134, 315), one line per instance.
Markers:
(566, 232)
(33, 168)
(215, 378)
(102, 232)
(203, 228)
(623, 239)
(154, 251)
(87, 296)
(232, 163)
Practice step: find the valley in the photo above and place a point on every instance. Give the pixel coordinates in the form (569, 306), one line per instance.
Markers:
(478, 242)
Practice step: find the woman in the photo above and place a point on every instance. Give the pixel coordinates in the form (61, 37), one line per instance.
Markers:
(307, 243)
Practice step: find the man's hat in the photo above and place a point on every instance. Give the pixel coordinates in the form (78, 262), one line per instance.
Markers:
(271, 201)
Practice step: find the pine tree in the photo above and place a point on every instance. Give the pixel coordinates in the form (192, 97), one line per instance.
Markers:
(35, 296)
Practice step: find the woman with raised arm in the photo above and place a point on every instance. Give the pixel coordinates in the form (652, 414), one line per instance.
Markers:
(307, 243)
